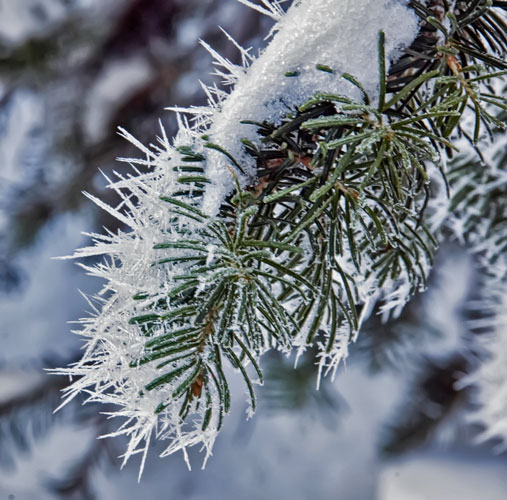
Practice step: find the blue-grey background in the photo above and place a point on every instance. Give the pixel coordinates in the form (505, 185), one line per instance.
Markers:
(391, 427)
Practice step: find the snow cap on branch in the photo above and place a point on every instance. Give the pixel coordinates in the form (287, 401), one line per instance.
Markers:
(313, 44)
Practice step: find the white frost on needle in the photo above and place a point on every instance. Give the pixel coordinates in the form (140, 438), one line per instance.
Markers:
(341, 35)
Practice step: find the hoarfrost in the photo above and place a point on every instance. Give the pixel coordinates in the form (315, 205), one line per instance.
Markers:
(338, 36)
(317, 40)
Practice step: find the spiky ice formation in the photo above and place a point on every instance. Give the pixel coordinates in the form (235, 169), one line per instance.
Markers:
(312, 46)
(314, 43)
(479, 221)
(490, 378)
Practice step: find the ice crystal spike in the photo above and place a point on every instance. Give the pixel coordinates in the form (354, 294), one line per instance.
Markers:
(278, 217)
(270, 8)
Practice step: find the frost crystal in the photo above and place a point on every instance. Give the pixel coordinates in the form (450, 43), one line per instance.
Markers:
(490, 378)
(482, 213)
(312, 45)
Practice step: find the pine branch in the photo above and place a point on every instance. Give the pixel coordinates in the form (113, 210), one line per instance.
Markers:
(332, 223)
(290, 388)
(77, 481)
(434, 397)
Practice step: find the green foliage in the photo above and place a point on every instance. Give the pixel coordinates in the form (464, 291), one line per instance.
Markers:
(340, 198)
(472, 53)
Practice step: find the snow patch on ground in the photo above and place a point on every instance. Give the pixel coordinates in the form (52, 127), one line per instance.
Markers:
(438, 476)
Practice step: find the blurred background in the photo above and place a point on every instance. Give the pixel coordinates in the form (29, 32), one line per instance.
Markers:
(392, 426)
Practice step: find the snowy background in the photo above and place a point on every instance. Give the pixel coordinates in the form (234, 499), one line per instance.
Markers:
(70, 72)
